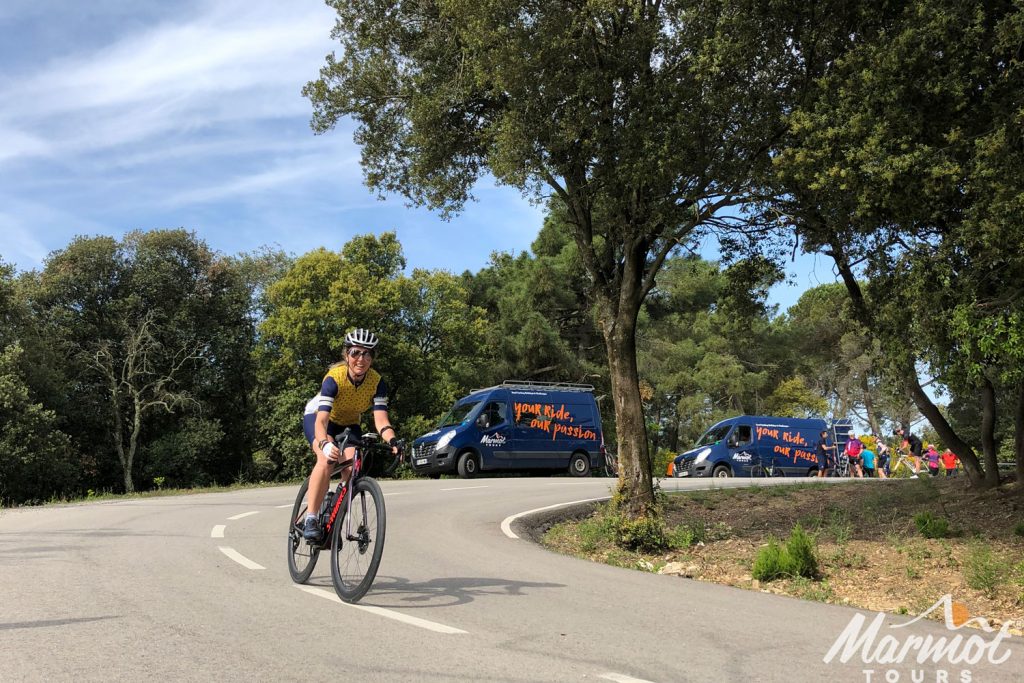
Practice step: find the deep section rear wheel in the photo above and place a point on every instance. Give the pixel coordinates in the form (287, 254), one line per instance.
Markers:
(301, 555)
(356, 548)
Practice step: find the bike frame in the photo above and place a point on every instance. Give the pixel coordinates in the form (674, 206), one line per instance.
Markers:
(342, 496)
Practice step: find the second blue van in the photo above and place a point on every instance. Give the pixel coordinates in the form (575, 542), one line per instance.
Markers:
(516, 425)
(732, 447)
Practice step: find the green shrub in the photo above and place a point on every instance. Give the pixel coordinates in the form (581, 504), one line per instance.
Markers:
(800, 547)
(796, 558)
(644, 534)
(771, 562)
(1019, 529)
(686, 535)
(931, 526)
(983, 570)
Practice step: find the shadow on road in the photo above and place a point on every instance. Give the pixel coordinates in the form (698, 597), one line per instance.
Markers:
(392, 592)
(46, 623)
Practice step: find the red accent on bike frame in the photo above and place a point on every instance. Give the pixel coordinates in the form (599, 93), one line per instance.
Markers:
(337, 506)
(340, 498)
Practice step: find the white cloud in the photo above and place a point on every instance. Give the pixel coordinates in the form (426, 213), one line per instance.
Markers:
(235, 62)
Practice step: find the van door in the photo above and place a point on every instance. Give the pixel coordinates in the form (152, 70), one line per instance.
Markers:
(495, 430)
(742, 449)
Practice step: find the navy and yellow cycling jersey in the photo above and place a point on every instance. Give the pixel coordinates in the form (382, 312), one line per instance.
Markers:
(345, 400)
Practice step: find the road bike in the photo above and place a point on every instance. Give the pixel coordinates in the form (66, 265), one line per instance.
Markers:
(759, 469)
(841, 467)
(611, 464)
(353, 520)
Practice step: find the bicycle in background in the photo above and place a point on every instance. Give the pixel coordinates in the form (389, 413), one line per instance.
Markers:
(353, 519)
(759, 469)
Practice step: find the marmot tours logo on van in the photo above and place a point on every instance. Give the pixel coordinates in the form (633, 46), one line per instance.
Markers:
(953, 654)
(493, 439)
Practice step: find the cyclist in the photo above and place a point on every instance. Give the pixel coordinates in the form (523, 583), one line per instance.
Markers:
(912, 444)
(349, 388)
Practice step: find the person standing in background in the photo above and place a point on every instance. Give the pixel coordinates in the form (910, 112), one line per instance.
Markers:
(949, 462)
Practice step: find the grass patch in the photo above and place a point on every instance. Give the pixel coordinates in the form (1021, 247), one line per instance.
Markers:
(796, 558)
(931, 526)
(984, 570)
(1018, 530)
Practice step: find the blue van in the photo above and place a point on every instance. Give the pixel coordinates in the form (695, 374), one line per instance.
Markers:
(516, 425)
(734, 446)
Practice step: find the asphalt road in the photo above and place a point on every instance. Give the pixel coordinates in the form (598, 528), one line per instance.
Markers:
(197, 588)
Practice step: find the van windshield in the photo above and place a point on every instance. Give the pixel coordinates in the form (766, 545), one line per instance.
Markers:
(457, 415)
(714, 435)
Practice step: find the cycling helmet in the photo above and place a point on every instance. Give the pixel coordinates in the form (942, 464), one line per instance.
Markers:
(361, 337)
(851, 434)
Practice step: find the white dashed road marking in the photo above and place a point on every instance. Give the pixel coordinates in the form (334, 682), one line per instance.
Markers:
(464, 488)
(506, 524)
(622, 678)
(218, 531)
(380, 611)
(239, 558)
(244, 514)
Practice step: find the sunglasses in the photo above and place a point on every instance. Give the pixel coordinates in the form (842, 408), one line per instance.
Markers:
(358, 353)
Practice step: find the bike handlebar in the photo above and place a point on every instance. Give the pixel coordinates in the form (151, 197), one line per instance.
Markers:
(371, 441)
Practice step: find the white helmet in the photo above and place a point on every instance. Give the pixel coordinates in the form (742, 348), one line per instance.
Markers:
(361, 337)
(851, 434)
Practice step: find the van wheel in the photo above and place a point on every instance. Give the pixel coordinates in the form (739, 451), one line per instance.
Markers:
(579, 465)
(721, 472)
(469, 465)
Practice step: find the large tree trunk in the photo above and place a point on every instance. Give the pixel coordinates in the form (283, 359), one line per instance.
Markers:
(988, 433)
(635, 487)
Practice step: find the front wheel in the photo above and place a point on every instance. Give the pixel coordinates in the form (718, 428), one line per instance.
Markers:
(357, 544)
(758, 471)
(579, 465)
(469, 465)
(722, 472)
(302, 555)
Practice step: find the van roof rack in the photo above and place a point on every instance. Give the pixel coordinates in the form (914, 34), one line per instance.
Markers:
(529, 384)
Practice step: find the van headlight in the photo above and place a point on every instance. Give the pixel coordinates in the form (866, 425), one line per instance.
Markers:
(445, 439)
(703, 455)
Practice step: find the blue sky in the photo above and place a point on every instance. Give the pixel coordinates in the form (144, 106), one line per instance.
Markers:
(118, 115)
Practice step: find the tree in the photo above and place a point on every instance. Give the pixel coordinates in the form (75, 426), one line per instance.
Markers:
(645, 119)
(905, 169)
(35, 456)
(107, 304)
(140, 379)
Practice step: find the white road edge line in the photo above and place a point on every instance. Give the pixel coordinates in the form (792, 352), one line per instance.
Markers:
(244, 514)
(240, 558)
(284, 506)
(380, 611)
(218, 531)
(506, 524)
(622, 678)
(464, 488)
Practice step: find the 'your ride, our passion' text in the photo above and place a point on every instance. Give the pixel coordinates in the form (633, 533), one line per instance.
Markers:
(546, 417)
